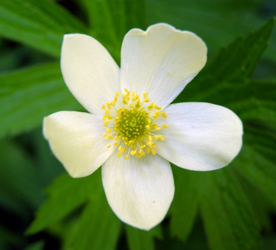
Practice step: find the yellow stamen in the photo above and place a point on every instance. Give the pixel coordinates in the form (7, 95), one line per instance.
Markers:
(108, 105)
(151, 106)
(156, 114)
(132, 125)
(158, 107)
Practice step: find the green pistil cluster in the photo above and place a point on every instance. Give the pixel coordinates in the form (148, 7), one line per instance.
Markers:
(132, 127)
(132, 124)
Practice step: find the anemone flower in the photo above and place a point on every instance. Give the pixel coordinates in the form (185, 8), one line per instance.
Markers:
(131, 129)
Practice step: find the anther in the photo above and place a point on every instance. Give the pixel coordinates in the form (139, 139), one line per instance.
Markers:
(132, 125)
(156, 114)
(151, 106)
(108, 105)
(158, 107)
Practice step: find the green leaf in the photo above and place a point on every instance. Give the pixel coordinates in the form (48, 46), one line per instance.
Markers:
(35, 246)
(110, 20)
(257, 159)
(251, 100)
(40, 24)
(184, 207)
(239, 59)
(257, 104)
(136, 16)
(26, 96)
(232, 67)
(97, 222)
(261, 204)
(218, 23)
(20, 186)
(139, 240)
(66, 194)
(49, 166)
(227, 215)
(97, 229)
(225, 80)
(8, 238)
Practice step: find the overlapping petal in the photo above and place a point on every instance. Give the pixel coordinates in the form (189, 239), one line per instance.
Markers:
(161, 61)
(89, 71)
(139, 191)
(77, 141)
(200, 136)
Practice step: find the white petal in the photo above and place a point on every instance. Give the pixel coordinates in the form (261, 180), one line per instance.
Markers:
(89, 71)
(160, 61)
(139, 191)
(200, 136)
(77, 141)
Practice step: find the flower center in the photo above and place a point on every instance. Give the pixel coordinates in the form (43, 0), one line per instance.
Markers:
(131, 124)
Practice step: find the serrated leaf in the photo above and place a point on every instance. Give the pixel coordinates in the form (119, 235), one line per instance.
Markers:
(237, 61)
(40, 24)
(234, 64)
(257, 104)
(227, 219)
(26, 96)
(97, 229)
(261, 204)
(257, 159)
(225, 82)
(139, 240)
(218, 23)
(66, 194)
(227, 215)
(252, 100)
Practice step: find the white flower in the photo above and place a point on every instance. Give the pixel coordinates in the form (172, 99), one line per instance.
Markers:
(131, 129)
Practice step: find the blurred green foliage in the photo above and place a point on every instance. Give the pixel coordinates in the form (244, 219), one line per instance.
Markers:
(232, 208)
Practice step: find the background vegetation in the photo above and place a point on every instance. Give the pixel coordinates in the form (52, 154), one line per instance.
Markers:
(232, 208)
